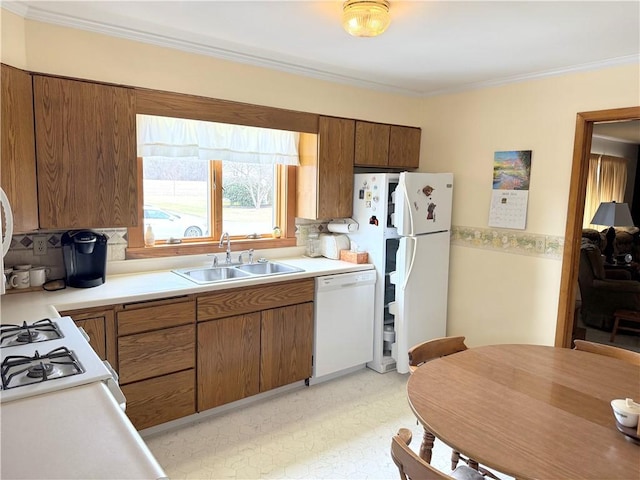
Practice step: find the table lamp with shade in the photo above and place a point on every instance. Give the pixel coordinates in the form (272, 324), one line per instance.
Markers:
(614, 215)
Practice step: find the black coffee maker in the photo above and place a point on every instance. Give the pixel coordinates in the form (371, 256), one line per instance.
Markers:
(85, 258)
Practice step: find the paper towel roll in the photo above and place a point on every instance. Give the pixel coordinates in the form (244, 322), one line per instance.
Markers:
(342, 227)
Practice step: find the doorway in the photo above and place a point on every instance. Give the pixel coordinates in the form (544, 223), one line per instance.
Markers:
(575, 211)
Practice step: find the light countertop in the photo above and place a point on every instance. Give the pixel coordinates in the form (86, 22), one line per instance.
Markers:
(47, 436)
(150, 285)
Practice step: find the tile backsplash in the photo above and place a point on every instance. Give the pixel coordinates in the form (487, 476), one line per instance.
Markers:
(21, 250)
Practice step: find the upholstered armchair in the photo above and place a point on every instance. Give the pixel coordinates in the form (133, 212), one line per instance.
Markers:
(602, 291)
(627, 241)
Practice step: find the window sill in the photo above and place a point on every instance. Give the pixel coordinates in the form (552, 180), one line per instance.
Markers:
(199, 248)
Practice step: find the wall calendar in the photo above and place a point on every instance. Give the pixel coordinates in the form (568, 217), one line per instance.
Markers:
(510, 195)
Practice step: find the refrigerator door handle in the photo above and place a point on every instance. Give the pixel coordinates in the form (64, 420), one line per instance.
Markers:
(407, 276)
(406, 229)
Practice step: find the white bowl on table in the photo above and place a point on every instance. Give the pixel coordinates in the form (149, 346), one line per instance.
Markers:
(626, 412)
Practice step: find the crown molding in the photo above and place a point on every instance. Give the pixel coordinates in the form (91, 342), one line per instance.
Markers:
(583, 67)
(36, 14)
(15, 7)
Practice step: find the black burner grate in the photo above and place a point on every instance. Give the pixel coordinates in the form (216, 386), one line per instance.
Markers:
(20, 370)
(39, 331)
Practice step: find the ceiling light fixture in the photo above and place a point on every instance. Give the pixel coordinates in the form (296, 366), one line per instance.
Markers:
(365, 18)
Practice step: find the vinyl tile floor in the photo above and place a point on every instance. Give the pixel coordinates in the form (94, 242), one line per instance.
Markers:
(339, 429)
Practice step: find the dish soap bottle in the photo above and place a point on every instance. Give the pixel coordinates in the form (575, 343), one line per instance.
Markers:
(149, 237)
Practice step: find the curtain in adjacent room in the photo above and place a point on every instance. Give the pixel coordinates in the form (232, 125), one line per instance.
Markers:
(606, 182)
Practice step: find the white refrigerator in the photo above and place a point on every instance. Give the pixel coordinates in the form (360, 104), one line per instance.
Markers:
(404, 225)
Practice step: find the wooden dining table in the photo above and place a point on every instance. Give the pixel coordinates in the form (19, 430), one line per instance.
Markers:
(529, 411)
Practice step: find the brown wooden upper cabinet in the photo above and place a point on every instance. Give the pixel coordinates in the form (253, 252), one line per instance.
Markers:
(325, 175)
(18, 150)
(86, 153)
(381, 145)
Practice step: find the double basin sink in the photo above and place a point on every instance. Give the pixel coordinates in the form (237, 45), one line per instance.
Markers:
(224, 273)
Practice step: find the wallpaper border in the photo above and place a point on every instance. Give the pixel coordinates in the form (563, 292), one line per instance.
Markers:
(508, 241)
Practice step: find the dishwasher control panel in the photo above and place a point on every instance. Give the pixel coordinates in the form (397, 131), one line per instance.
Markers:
(342, 278)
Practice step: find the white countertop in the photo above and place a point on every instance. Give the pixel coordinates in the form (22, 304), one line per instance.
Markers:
(150, 285)
(92, 438)
(110, 447)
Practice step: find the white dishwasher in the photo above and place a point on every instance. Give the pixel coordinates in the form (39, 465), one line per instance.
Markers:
(343, 328)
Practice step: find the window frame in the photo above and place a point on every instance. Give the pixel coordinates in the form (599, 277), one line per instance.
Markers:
(286, 177)
(172, 104)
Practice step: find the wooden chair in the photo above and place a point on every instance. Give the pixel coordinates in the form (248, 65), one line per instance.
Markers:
(432, 349)
(413, 467)
(608, 350)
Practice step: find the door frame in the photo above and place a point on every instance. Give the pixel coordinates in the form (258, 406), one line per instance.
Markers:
(575, 212)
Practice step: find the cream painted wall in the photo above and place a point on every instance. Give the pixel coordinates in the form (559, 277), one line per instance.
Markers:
(65, 51)
(13, 45)
(494, 297)
(497, 297)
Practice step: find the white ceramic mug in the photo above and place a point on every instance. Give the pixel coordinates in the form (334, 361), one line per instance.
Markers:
(38, 276)
(20, 279)
(7, 277)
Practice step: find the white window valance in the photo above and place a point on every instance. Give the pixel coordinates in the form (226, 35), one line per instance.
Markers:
(167, 137)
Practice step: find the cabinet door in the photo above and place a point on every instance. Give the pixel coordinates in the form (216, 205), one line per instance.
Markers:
(86, 154)
(100, 326)
(287, 345)
(404, 147)
(372, 144)
(335, 167)
(18, 148)
(228, 360)
(95, 328)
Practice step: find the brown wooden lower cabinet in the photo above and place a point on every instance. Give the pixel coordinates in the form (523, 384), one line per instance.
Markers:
(161, 399)
(100, 326)
(228, 359)
(157, 359)
(287, 345)
(95, 328)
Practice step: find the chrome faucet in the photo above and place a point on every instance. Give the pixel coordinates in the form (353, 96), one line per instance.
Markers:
(228, 256)
(250, 252)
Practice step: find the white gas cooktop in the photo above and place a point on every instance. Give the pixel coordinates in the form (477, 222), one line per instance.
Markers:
(45, 356)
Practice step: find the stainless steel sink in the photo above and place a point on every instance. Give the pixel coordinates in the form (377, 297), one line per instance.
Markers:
(210, 275)
(226, 273)
(267, 268)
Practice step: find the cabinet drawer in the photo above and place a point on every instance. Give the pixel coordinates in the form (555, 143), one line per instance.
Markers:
(161, 399)
(227, 303)
(136, 318)
(150, 354)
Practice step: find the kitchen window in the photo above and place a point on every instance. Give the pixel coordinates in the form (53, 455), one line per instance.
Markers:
(201, 179)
